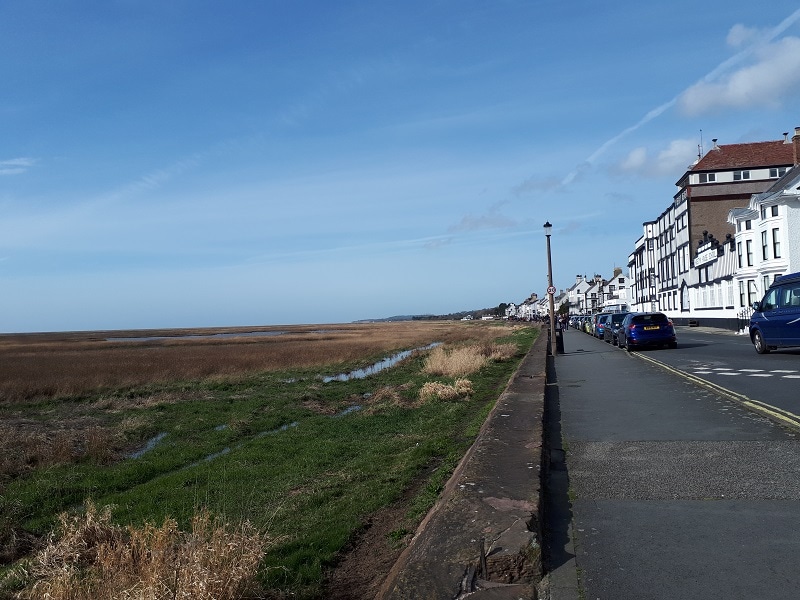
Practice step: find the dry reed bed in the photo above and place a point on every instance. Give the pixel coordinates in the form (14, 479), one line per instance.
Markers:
(90, 558)
(54, 366)
(45, 367)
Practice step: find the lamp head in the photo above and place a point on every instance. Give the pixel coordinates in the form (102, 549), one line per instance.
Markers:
(548, 228)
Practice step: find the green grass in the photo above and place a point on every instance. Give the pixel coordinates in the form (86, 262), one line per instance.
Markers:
(285, 458)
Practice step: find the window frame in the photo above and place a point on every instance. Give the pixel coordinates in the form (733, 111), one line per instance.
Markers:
(777, 172)
(776, 242)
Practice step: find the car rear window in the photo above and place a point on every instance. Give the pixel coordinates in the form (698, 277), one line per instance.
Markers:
(618, 318)
(658, 318)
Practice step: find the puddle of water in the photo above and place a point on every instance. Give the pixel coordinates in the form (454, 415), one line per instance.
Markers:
(224, 451)
(211, 457)
(348, 410)
(278, 430)
(151, 443)
(378, 366)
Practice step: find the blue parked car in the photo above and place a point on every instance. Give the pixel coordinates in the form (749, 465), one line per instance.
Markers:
(613, 323)
(775, 321)
(600, 324)
(646, 329)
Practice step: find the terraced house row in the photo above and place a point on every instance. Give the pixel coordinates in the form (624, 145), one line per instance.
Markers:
(729, 231)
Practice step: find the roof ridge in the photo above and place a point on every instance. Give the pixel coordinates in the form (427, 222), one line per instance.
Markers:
(743, 155)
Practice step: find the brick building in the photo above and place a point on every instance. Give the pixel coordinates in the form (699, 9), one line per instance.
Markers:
(670, 264)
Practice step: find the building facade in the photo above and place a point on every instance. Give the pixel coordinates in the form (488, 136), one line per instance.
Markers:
(686, 261)
(767, 240)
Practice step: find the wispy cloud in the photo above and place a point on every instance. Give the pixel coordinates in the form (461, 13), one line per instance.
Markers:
(491, 220)
(15, 166)
(776, 72)
(770, 82)
(537, 184)
(674, 158)
(367, 248)
(153, 180)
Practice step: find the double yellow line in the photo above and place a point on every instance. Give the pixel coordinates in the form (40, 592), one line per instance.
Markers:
(784, 417)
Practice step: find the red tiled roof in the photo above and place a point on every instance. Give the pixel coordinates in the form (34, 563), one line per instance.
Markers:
(740, 156)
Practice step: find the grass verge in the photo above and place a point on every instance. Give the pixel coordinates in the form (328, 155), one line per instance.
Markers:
(301, 461)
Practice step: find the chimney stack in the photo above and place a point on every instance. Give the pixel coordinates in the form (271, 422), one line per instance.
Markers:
(796, 146)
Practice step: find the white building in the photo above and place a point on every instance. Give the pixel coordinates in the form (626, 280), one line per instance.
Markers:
(575, 295)
(614, 292)
(764, 247)
(678, 265)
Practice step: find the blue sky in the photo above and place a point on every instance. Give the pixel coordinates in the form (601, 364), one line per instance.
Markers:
(199, 163)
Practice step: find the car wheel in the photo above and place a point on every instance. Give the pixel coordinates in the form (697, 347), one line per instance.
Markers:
(759, 343)
(626, 345)
(673, 345)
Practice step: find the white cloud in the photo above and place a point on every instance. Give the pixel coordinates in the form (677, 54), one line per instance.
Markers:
(779, 78)
(15, 166)
(740, 35)
(674, 159)
(635, 160)
(773, 79)
(677, 157)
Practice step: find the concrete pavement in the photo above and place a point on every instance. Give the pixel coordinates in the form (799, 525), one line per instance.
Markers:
(660, 489)
(652, 488)
(483, 538)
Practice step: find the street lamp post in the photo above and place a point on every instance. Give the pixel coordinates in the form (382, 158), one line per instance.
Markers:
(548, 229)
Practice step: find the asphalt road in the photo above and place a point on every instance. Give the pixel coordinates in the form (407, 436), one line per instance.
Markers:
(661, 485)
(729, 361)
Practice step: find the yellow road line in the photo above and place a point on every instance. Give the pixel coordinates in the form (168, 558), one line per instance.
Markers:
(780, 415)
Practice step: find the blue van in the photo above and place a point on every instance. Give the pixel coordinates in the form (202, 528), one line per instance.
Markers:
(775, 322)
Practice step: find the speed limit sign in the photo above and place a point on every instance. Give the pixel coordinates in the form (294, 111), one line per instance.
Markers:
(551, 290)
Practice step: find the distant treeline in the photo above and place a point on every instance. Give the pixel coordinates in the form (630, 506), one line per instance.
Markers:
(498, 311)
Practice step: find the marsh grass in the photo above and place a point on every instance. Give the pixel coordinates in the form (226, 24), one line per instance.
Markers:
(90, 557)
(306, 461)
(37, 366)
(435, 390)
(466, 359)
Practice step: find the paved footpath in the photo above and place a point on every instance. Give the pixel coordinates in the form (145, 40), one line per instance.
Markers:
(660, 489)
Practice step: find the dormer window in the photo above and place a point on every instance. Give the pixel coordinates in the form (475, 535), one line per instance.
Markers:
(741, 175)
(708, 177)
(779, 172)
